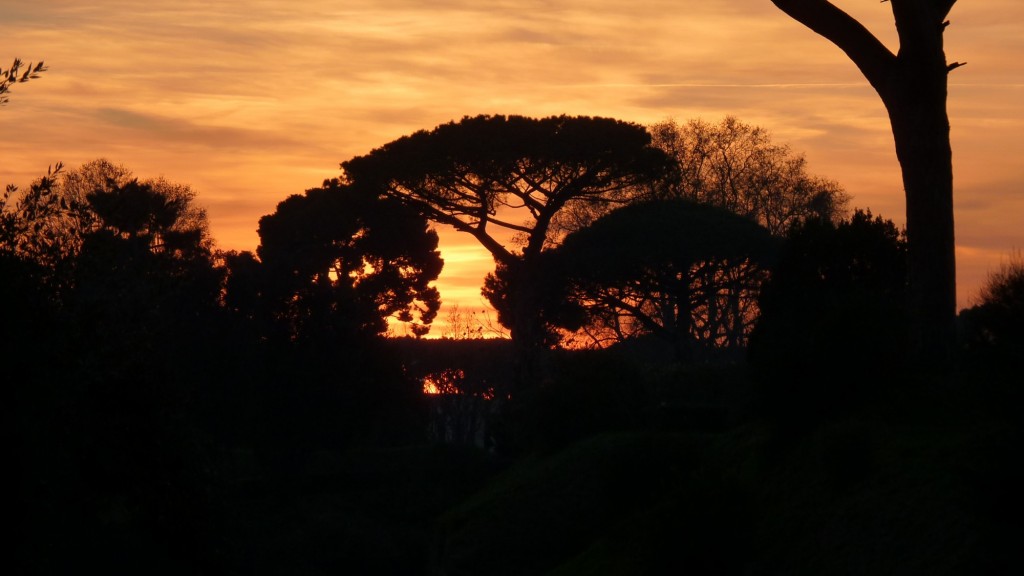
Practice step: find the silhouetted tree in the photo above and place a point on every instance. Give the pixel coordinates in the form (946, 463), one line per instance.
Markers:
(833, 314)
(123, 259)
(15, 75)
(142, 277)
(244, 286)
(30, 304)
(687, 273)
(130, 350)
(994, 328)
(139, 279)
(736, 166)
(115, 254)
(27, 218)
(339, 262)
(497, 176)
(912, 85)
(50, 221)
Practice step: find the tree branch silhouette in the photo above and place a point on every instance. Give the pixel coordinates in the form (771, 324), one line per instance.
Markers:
(16, 75)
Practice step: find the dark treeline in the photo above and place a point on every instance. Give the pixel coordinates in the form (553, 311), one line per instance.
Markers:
(707, 370)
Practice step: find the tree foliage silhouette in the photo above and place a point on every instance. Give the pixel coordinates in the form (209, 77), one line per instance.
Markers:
(126, 263)
(736, 166)
(23, 215)
(339, 262)
(494, 177)
(141, 277)
(684, 272)
(17, 75)
(49, 222)
(66, 224)
(994, 328)
(31, 303)
(118, 353)
(912, 85)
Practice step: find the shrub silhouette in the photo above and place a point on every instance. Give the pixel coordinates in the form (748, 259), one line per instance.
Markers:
(833, 322)
(994, 329)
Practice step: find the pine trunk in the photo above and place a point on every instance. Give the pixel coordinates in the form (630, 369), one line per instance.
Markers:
(917, 111)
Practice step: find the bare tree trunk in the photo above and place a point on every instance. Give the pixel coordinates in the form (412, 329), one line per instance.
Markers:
(527, 330)
(913, 86)
(917, 113)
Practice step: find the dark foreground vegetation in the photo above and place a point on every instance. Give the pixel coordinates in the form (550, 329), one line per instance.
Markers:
(246, 463)
(705, 375)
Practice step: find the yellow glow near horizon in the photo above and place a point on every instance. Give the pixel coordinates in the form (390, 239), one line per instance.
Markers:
(251, 105)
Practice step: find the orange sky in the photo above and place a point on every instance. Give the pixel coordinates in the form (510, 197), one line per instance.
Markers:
(250, 102)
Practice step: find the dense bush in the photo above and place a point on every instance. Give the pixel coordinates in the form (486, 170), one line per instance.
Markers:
(833, 325)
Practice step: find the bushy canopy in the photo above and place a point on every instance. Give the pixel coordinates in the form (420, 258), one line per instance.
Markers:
(339, 262)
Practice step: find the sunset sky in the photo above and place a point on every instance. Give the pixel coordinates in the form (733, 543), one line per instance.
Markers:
(250, 102)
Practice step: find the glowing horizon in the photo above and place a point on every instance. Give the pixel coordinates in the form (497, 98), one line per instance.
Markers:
(250, 106)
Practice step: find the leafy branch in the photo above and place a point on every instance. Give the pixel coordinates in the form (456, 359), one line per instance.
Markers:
(18, 73)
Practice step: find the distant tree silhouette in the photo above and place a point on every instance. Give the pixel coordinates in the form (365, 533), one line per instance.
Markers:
(994, 328)
(118, 257)
(497, 176)
(121, 332)
(111, 250)
(338, 262)
(30, 302)
(244, 286)
(684, 272)
(833, 314)
(468, 324)
(912, 85)
(50, 221)
(142, 277)
(15, 75)
(27, 217)
(736, 166)
(141, 213)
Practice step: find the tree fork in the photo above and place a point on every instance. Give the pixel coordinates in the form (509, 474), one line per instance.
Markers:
(913, 86)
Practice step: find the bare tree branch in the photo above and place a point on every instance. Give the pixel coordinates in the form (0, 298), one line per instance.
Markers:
(865, 50)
